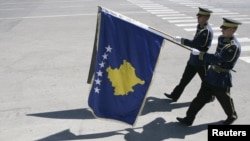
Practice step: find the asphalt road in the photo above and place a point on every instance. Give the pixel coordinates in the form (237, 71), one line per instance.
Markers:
(45, 55)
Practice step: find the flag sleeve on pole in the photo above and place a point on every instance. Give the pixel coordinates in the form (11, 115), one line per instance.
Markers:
(94, 52)
(125, 62)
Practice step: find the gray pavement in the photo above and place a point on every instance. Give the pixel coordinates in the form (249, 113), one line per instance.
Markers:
(46, 48)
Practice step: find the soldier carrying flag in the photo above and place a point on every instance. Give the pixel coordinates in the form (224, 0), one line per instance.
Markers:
(201, 41)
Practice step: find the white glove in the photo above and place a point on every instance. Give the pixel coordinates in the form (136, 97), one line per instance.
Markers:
(177, 38)
(195, 51)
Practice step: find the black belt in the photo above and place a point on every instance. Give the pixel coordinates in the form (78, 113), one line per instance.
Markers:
(219, 69)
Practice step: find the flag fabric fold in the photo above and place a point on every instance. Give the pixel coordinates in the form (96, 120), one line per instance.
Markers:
(126, 58)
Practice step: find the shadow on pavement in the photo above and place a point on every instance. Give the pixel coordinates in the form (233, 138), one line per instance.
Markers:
(67, 114)
(152, 104)
(157, 130)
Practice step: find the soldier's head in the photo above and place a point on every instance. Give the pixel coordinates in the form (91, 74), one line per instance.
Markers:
(229, 27)
(203, 15)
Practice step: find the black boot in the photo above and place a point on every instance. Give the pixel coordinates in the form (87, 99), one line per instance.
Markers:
(185, 121)
(170, 97)
(230, 120)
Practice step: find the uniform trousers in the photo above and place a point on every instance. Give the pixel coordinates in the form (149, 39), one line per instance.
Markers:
(204, 94)
(187, 76)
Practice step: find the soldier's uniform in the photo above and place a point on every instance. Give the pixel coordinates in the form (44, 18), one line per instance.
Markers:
(218, 80)
(201, 41)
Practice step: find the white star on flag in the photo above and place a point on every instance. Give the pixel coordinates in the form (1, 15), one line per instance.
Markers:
(99, 73)
(102, 64)
(108, 48)
(105, 56)
(98, 81)
(97, 90)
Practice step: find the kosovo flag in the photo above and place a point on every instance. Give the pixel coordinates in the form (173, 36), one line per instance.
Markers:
(125, 62)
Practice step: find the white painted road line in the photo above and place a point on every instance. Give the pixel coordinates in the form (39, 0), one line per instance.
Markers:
(241, 40)
(170, 15)
(182, 25)
(245, 48)
(182, 21)
(246, 59)
(172, 18)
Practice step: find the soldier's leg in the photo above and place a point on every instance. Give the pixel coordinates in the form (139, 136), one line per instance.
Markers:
(196, 105)
(187, 76)
(200, 100)
(225, 100)
(202, 72)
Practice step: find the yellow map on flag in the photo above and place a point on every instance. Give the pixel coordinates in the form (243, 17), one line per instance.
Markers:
(124, 78)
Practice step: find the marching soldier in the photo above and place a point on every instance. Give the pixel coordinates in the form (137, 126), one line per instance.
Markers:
(218, 80)
(201, 41)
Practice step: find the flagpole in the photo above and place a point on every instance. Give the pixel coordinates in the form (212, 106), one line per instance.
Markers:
(95, 48)
(162, 32)
(186, 47)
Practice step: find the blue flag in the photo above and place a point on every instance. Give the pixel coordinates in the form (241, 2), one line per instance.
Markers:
(126, 58)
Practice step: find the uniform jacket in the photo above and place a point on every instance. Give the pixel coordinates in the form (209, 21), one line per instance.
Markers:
(201, 41)
(227, 53)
